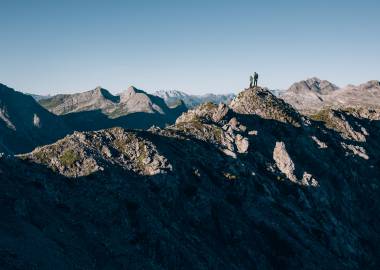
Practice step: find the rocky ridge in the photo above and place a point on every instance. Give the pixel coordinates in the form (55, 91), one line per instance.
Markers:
(261, 102)
(250, 185)
(81, 154)
(129, 101)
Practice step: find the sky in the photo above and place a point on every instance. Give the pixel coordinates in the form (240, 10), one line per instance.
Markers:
(49, 47)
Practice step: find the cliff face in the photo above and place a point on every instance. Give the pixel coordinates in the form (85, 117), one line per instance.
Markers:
(250, 186)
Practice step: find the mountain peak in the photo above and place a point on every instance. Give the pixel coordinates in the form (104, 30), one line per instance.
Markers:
(370, 85)
(132, 88)
(130, 92)
(263, 103)
(100, 92)
(315, 85)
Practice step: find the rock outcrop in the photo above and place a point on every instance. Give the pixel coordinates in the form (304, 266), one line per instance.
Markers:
(283, 161)
(82, 154)
(263, 103)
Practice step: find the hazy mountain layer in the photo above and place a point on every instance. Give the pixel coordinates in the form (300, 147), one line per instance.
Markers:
(172, 97)
(25, 124)
(312, 95)
(131, 100)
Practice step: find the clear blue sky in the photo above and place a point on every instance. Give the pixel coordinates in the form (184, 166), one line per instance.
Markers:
(196, 46)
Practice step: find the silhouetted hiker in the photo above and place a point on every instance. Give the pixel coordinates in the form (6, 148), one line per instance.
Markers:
(251, 81)
(256, 77)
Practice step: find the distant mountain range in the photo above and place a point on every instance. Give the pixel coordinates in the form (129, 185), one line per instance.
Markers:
(129, 101)
(172, 97)
(25, 124)
(59, 103)
(312, 95)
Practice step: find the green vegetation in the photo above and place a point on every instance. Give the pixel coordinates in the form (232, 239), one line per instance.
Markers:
(321, 116)
(327, 117)
(68, 158)
(194, 123)
(42, 157)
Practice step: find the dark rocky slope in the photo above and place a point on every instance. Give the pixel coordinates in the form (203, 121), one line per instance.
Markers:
(221, 189)
(24, 124)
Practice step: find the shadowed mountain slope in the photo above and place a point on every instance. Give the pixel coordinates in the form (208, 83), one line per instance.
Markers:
(251, 186)
(24, 124)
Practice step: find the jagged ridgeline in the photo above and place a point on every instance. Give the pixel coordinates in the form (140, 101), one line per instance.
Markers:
(313, 95)
(250, 185)
(26, 124)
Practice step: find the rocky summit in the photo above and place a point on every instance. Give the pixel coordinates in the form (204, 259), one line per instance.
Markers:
(313, 95)
(250, 185)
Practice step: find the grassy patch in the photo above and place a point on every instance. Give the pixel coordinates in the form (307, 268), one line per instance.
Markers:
(68, 158)
(42, 157)
(322, 116)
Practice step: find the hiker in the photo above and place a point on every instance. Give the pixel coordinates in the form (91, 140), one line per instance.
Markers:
(251, 81)
(256, 77)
